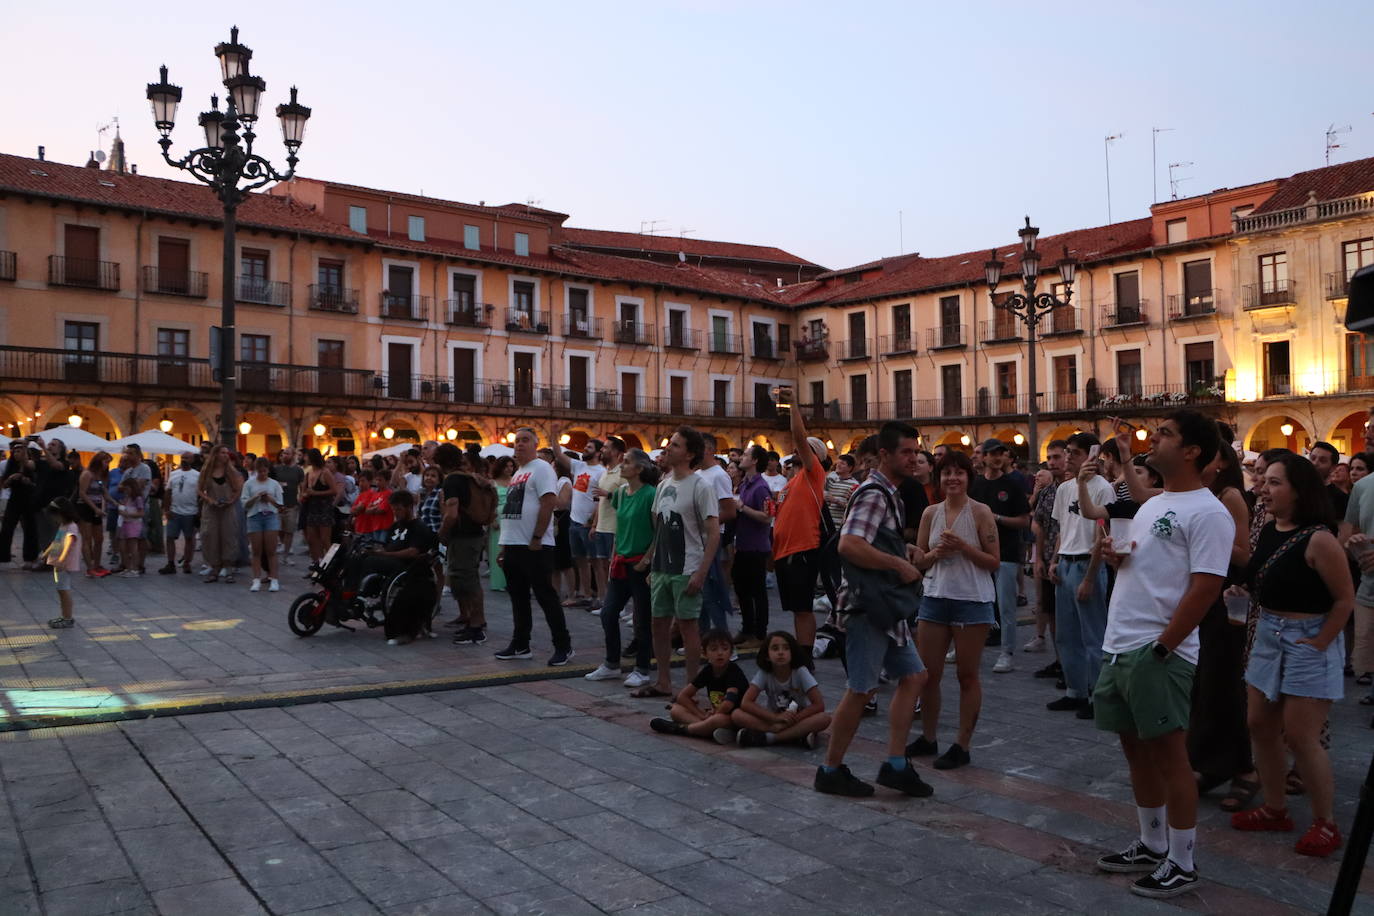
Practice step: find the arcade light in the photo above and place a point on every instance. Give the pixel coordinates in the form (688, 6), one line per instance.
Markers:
(245, 427)
(319, 430)
(1286, 429)
(165, 424)
(450, 434)
(75, 420)
(388, 432)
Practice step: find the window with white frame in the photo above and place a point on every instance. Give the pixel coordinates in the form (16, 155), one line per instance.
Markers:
(416, 226)
(357, 219)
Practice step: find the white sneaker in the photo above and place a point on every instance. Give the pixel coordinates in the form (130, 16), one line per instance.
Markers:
(627, 616)
(448, 592)
(279, 548)
(393, 642)
(636, 679)
(256, 586)
(1003, 665)
(275, 586)
(205, 570)
(949, 656)
(1035, 645)
(603, 673)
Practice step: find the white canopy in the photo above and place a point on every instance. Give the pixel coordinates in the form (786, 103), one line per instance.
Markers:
(497, 450)
(77, 439)
(398, 449)
(154, 442)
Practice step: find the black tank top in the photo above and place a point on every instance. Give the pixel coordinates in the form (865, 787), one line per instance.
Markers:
(1290, 585)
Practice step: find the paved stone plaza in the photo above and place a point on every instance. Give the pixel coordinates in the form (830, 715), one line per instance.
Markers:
(547, 796)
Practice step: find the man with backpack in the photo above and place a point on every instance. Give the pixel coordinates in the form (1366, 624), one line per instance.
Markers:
(469, 502)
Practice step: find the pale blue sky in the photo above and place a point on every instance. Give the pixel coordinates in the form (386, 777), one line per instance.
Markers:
(804, 125)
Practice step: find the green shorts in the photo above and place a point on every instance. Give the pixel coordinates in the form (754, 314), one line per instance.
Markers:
(668, 595)
(1139, 694)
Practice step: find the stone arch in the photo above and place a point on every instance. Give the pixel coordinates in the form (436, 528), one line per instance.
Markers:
(97, 420)
(955, 438)
(1347, 433)
(1266, 432)
(187, 419)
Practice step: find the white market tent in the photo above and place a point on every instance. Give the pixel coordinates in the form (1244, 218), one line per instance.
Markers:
(497, 450)
(154, 442)
(398, 449)
(78, 439)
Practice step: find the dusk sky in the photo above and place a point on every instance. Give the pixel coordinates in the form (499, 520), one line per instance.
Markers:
(803, 125)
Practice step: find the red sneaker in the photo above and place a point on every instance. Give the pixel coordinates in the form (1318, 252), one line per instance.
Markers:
(1262, 818)
(1321, 839)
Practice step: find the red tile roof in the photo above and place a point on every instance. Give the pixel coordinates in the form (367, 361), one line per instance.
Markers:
(1330, 183)
(635, 241)
(685, 276)
(160, 195)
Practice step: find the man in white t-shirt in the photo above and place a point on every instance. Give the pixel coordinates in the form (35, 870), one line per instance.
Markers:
(526, 551)
(774, 476)
(181, 508)
(602, 524)
(586, 475)
(1080, 582)
(1180, 549)
(715, 597)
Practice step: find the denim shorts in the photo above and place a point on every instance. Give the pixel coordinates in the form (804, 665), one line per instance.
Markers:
(869, 651)
(180, 526)
(263, 521)
(955, 612)
(603, 542)
(1278, 665)
(579, 540)
(61, 579)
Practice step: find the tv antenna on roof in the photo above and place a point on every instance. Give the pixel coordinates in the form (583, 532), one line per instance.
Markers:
(1175, 182)
(684, 232)
(650, 226)
(1332, 133)
(1107, 156)
(103, 129)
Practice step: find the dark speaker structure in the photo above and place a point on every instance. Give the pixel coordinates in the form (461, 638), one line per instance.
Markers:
(1359, 309)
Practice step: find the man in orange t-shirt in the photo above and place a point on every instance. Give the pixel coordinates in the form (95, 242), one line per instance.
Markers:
(797, 535)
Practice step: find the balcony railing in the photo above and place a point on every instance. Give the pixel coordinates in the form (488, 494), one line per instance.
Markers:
(681, 338)
(896, 344)
(583, 326)
(8, 265)
(1278, 386)
(1125, 314)
(1326, 209)
(326, 297)
(1199, 304)
(724, 344)
(190, 283)
(1270, 294)
(1062, 321)
(1003, 329)
(82, 272)
(856, 348)
(263, 292)
(404, 307)
(947, 337)
(1337, 284)
(812, 349)
(526, 321)
(464, 313)
(1146, 397)
(633, 333)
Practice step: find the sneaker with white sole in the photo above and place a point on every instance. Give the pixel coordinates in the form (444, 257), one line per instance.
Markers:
(204, 570)
(636, 679)
(603, 673)
(561, 657)
(273, 585)
(256, 586)
(949, 656)
(1035, 645)
(1136, 857)
(513, 652)
(1003, 665)
(1168, 880)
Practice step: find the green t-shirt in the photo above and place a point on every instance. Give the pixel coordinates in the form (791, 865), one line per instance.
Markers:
(634, 520)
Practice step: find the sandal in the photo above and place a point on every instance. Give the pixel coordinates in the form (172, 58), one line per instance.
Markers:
(213, 577)
(1364, 680)
(648, 692)
(1293, 783)
(1239, 796)
(1262, 818)
(1320, 840)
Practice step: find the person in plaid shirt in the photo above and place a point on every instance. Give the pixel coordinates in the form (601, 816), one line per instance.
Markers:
(875, 510)
(431, 499)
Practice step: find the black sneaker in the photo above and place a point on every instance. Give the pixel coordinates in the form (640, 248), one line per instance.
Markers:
(841, 782)
(1136, 857)
(667, 726)
(560, 657)
(748, 737)
(1085, 711)
(953, 758)
(904, 780)
(922, 748)
(1053, 669)
(1168, 880)
(1065, 704)
(871, 708)
(469, 636)
(513, 651)
(1061, 684)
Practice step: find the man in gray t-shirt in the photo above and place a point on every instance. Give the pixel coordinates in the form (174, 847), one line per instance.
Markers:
(1357, 532)
(289, 474)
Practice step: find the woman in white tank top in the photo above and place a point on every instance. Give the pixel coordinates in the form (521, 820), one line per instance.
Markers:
(959, 556)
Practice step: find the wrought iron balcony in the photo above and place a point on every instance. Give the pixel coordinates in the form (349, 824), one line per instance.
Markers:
(1125, 314)
(326, 297)
(263, 292)
(897, 344)
(190, 283)
(8, 265)
(464, 313)
(526, 321)
(812, 349)
(947, 337)
(82, 272)
(763, 348)
(1000, 330)
(854, 349)
(1337, 284)
(725, 344)
(681, 338)
(583, 326)
(405, 307)
(1153, 397)
(1270, 294)
(1198, 304)
(633, 333)
(1062, 322)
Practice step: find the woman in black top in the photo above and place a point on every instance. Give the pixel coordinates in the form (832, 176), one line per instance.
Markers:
(1299, 576)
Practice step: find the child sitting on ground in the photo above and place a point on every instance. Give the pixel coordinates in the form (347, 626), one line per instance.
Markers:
(64, 556)
(791, 709)
(723, 683)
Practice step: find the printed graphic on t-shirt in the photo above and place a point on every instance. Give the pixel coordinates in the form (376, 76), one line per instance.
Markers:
(783, 697)
(670, 556)
(1073, 508)
(1163, 526)
(515, 497)
(583, 482)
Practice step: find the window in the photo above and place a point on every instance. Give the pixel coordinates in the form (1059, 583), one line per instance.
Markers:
(1273, 273)
(817, 399)
(522, 244)
(950, 335)
(764, 407)
(472, 238)
(677, 394)
(720, 334)
(1354, 255)
(253, 354)
(1128, 377)
(579, 315)
(415, 228)
(1198, 296)
(522, 292)
(579, 373)
(858, 396)
(1176, 230)
(1240, 211)
(1278, 381)
(952, 390)
(81, 339)
(81, 264)
(902, 394)
(815, 329)
(1127, 286)
(858, 336)
(720, 397)
(524, 378)
(763, 340)
(175, 345)
(1359, 362)
(174, 266)
(1066, 383)
(677, 328)
(1006, 387)
(253, 273)
(901, 327)
(329, 356)
(1198, 365)
(397, 298)
(357, 219)
(330, 276)
(173, 342)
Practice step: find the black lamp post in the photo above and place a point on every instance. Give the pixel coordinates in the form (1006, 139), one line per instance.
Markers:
(1031, 307)
(231, 169)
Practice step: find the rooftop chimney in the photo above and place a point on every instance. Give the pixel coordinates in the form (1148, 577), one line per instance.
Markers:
(92, 163)
(42, 152)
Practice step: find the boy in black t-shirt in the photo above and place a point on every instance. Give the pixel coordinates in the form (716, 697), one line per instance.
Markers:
(723, 683)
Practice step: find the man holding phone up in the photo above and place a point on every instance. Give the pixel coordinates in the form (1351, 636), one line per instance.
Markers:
(1080, 594)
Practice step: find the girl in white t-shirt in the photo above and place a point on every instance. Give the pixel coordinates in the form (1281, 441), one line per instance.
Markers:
(783, 702)
(64, 556)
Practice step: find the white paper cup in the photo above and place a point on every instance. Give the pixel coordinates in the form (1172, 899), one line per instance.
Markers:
(1121, 535)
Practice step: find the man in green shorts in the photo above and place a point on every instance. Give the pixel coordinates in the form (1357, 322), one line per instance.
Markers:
(686, 535)
(1169, 574)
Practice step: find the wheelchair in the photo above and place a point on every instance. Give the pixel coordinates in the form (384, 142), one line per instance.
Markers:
(335, 602)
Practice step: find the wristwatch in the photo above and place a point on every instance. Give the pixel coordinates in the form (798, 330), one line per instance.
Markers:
(1161, 651)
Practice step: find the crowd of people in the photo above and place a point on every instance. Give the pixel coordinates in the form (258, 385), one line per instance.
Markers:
(1197, 603)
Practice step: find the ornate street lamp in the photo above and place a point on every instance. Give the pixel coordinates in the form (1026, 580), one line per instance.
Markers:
(1031, 307)
(228, 165)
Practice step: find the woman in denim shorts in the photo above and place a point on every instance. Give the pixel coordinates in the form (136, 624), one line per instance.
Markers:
(1299, 576)
(959, 555)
